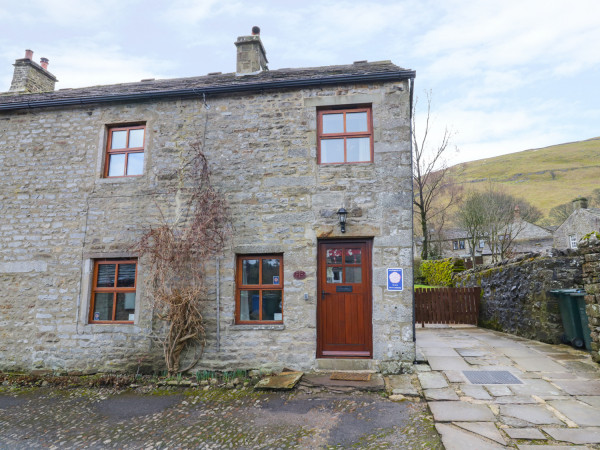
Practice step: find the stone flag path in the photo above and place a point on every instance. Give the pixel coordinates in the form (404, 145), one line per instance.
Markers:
(557, 405)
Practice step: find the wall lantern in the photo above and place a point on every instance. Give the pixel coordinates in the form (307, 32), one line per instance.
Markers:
(342, 213)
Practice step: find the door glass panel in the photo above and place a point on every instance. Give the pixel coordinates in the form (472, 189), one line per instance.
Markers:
(271, 304)
(334, 275)
(106, 275)
(332, 150)
(250, 271)
(135, 164)
(249, 305)
(116, 165)
(333, 123)
(119, 139)
(136, 138)
(270, 271)
(334, 256)
(125, 306)
(353, 274)
(126, 277)
(352, 256)
(103, 305)
(359, 149)
(356, 122)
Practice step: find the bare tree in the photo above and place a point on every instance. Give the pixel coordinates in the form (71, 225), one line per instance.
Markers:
(431, 178)
(560, 213)
(497, 217)
(472, 217)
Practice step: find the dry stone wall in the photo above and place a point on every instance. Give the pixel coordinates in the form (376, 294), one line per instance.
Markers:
(59, 214)
(591, 283)
(515, 294)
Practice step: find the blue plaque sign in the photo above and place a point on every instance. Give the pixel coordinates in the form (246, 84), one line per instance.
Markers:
(394, 279)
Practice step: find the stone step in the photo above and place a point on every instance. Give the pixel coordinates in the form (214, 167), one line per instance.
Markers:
(338, 364)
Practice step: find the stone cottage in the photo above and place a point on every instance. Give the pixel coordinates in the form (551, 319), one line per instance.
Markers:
(85, 172)
(582, 221)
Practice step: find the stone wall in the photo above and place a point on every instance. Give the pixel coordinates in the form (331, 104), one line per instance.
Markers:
(59, 214)
(590, 248)
(515, 293)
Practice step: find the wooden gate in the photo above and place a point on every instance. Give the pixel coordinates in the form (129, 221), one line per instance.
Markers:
(447, 305)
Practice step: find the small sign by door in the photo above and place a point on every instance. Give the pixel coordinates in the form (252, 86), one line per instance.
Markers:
(394, 279)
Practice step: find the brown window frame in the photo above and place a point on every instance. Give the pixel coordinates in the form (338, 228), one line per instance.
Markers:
(123, 151)
(257, 287)
(114, 289)
(345, 135)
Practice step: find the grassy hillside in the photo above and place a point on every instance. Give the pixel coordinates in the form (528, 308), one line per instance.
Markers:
(546, 176)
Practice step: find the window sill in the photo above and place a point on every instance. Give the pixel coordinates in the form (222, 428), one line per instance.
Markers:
(123, 179)
(125, 328)
(274, 327)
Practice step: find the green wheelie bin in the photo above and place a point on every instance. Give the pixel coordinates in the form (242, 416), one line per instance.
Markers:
(575, 321)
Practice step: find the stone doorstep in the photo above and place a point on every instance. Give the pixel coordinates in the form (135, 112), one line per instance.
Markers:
(341, 364)
(320, 379)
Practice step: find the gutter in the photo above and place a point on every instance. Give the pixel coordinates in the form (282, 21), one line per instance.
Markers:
(214, 90)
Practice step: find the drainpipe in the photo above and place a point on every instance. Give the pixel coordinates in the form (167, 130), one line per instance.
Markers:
(218, 305)
(411, 87)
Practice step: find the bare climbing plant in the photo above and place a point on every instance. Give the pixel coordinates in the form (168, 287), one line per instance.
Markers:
(176, 254)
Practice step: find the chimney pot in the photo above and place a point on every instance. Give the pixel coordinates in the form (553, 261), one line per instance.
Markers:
(28, 54)
(44, 63)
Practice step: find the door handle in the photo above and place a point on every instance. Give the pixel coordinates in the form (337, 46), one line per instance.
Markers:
(323, 294)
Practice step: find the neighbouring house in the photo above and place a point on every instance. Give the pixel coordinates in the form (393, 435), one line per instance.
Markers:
(582, 221)
(456, 243)
(85, 172)
(530, 238)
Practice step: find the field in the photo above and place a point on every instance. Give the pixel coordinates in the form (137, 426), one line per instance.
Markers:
(546, 177)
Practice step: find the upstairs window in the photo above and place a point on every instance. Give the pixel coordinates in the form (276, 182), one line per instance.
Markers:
(113, 291)
(461, 244)
(345, 136)
(125, 151)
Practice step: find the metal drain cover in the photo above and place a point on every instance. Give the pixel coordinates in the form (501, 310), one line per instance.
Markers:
(491, 377)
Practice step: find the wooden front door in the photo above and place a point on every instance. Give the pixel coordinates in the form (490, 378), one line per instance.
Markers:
(344, 324)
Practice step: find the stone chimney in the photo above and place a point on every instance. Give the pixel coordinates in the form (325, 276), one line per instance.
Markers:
(580, 203)
(30, 77)
(517, 213)
(251, 55)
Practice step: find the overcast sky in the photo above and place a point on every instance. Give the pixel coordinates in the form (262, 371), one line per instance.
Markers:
(506, 75)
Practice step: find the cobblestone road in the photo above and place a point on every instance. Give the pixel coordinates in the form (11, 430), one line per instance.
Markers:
(169, 418)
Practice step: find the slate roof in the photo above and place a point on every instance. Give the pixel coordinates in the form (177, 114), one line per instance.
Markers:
(594, 211)
(212, 83)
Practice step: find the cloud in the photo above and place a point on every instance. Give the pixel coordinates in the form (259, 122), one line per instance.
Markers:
(89, 63)
(192, 12)
(65, 13)
(494, 35)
